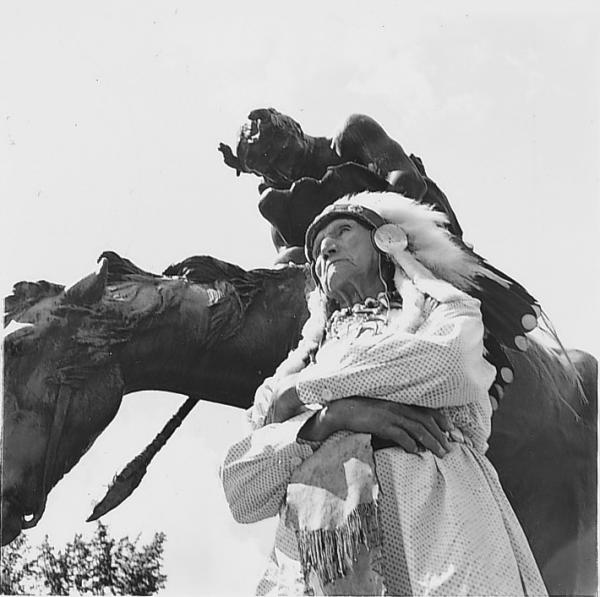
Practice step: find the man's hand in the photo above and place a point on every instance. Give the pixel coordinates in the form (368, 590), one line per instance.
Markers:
(391, 424)
(285, 402)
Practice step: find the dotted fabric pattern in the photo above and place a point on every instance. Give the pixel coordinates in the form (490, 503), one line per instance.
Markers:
(447, 526)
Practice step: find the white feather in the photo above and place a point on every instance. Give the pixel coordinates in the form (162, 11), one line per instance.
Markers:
(428, 240)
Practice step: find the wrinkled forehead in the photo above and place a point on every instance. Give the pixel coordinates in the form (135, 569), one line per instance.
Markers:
(330, 227)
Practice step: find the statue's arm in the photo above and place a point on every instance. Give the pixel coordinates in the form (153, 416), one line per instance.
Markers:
(364, 141)
(231, 159)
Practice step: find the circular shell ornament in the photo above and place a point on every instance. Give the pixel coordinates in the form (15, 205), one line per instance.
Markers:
(507, 374)
(529, 321)
(521, 343)
(390, 238)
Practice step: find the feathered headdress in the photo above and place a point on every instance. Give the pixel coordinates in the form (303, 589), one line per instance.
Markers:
(508, 310)
(428, 240)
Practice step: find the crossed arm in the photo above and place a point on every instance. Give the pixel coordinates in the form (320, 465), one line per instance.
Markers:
(390, 423)
(257, 469)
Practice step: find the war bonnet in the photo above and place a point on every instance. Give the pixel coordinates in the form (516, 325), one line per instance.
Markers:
(410, 232)
(428, 240)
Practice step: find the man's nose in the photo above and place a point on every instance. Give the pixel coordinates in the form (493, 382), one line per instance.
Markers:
(328, 247)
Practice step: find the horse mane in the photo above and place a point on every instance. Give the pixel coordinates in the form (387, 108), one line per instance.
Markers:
(104, 328)
(203, 269)
(120, 268)
(200, 269)
(232, 288)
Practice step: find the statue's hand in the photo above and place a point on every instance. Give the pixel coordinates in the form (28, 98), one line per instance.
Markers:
(230, 158)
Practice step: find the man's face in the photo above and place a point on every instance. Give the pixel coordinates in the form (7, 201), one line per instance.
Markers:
(345, 256)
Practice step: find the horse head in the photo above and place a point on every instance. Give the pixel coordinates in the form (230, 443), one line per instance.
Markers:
(72, 353)
(52, 411)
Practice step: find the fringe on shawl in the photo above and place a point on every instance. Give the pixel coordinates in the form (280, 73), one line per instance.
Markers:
(332, 552)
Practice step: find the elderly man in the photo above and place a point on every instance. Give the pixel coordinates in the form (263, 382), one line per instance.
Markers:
(384, 332)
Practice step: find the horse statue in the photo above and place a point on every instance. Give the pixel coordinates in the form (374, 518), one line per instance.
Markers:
(71, 354)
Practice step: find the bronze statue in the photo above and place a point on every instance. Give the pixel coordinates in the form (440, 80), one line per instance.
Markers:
(71, 354)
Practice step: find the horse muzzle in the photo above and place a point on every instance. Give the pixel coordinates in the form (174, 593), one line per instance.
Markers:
(16, 517)
(12, 520)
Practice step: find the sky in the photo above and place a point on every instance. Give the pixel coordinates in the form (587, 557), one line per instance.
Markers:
(110, 117)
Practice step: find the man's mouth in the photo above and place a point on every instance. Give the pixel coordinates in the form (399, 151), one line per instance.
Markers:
(335, 261)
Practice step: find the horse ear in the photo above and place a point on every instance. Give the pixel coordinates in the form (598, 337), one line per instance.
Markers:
(89, 290)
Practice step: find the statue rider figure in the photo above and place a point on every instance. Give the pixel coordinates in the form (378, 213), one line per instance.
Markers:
(301, 174)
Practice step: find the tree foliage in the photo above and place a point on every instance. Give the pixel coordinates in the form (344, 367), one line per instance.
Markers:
(15, 567)
(101, 565)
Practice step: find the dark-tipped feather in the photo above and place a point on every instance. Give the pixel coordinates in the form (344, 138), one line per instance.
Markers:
(497, 357)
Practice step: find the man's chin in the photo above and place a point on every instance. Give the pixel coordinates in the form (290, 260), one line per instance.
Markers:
(334, 283)
(337, 269)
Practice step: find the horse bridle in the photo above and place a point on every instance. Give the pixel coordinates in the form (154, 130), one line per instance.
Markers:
(61, 406)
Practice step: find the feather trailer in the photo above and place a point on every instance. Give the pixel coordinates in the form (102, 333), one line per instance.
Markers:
(503, 316)
(496, 355)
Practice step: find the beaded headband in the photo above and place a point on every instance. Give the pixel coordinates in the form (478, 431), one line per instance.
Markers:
(369, 218)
